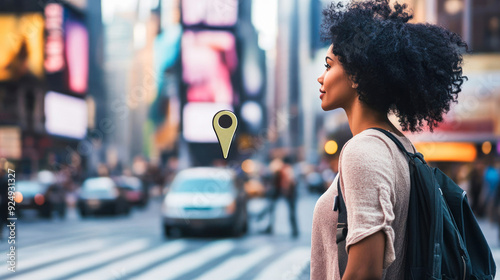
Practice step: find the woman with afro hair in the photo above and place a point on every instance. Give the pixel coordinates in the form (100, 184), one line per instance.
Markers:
(378, 63)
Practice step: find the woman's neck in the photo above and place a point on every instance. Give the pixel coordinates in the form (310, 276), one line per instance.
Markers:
(361, 117)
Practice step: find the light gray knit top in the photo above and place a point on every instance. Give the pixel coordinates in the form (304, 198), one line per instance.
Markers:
(375, 183)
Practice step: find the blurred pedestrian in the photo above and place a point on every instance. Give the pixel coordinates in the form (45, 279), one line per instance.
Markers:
(378, 63)
(56, 198)
(476, 188)
(462, 177)
(283, 184)
(491, 181)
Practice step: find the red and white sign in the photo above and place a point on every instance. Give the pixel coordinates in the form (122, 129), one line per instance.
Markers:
(54, 46)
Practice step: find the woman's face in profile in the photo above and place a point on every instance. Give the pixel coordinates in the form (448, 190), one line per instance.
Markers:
(336, 89)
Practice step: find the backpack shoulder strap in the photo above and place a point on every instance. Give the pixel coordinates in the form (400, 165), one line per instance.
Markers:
(341, 229)
(400, 145)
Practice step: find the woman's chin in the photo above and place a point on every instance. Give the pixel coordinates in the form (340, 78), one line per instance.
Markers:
(327, 107)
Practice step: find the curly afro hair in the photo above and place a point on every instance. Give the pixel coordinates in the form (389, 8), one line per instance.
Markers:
(413, 70)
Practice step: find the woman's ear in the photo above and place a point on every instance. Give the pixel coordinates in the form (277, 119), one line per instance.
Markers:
(353, 84)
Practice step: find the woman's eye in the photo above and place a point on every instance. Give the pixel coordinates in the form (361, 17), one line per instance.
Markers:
(327, 66)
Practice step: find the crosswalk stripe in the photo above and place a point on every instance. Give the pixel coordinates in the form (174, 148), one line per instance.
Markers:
(187, 262)
(237, 266)
(39, 243)
(288, 266)
(66, 268)
(29, 259)
(129, 266)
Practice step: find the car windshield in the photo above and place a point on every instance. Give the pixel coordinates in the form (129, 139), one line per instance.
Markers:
(202, 185)
(98, 185)
(130, 183)
(28, 188)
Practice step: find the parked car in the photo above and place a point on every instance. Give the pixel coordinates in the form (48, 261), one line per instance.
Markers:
(33, 196)
(135, 192)
(205, 198)
(101, 195)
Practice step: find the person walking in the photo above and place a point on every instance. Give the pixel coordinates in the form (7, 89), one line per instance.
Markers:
(476, 188)
(491, 180)
(378, 63)
(283, 184)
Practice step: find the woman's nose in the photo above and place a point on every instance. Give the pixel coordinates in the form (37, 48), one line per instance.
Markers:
(320, 79)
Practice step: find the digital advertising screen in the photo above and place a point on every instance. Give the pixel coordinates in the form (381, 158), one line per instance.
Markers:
(65, 115)
(66, 50)
(21, 50)
(197, 121)
(208, 60)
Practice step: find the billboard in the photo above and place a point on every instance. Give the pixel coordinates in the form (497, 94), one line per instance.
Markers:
(197, 121)
(77, 54)
(66, 50)
(21, 51)
(209, 60)
(65, 115)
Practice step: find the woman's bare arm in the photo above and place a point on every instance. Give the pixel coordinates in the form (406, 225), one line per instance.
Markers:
(366, 258)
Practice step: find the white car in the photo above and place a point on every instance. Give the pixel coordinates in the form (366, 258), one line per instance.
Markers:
(205, 198)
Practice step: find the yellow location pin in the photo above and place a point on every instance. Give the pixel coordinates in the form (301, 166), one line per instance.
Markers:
(225, 123)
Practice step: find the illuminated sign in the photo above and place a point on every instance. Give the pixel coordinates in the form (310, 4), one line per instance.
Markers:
(208, 60)
(65, 115)
(197, 121)
(21, 50)
(66, 50)
(77, 55)
(447, 151)
(54, 46)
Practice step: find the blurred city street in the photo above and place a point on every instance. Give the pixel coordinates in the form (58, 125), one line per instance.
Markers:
(133, 247)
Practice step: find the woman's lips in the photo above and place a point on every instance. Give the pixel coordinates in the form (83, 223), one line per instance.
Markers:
(322, 94)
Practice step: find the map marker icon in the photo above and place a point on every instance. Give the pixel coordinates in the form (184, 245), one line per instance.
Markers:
(224, 124)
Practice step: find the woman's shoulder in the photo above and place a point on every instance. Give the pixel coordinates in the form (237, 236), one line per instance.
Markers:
(365, 143)
(371, 142)
(372, 146)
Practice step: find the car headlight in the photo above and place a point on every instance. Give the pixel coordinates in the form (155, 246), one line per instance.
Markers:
(231, 207)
